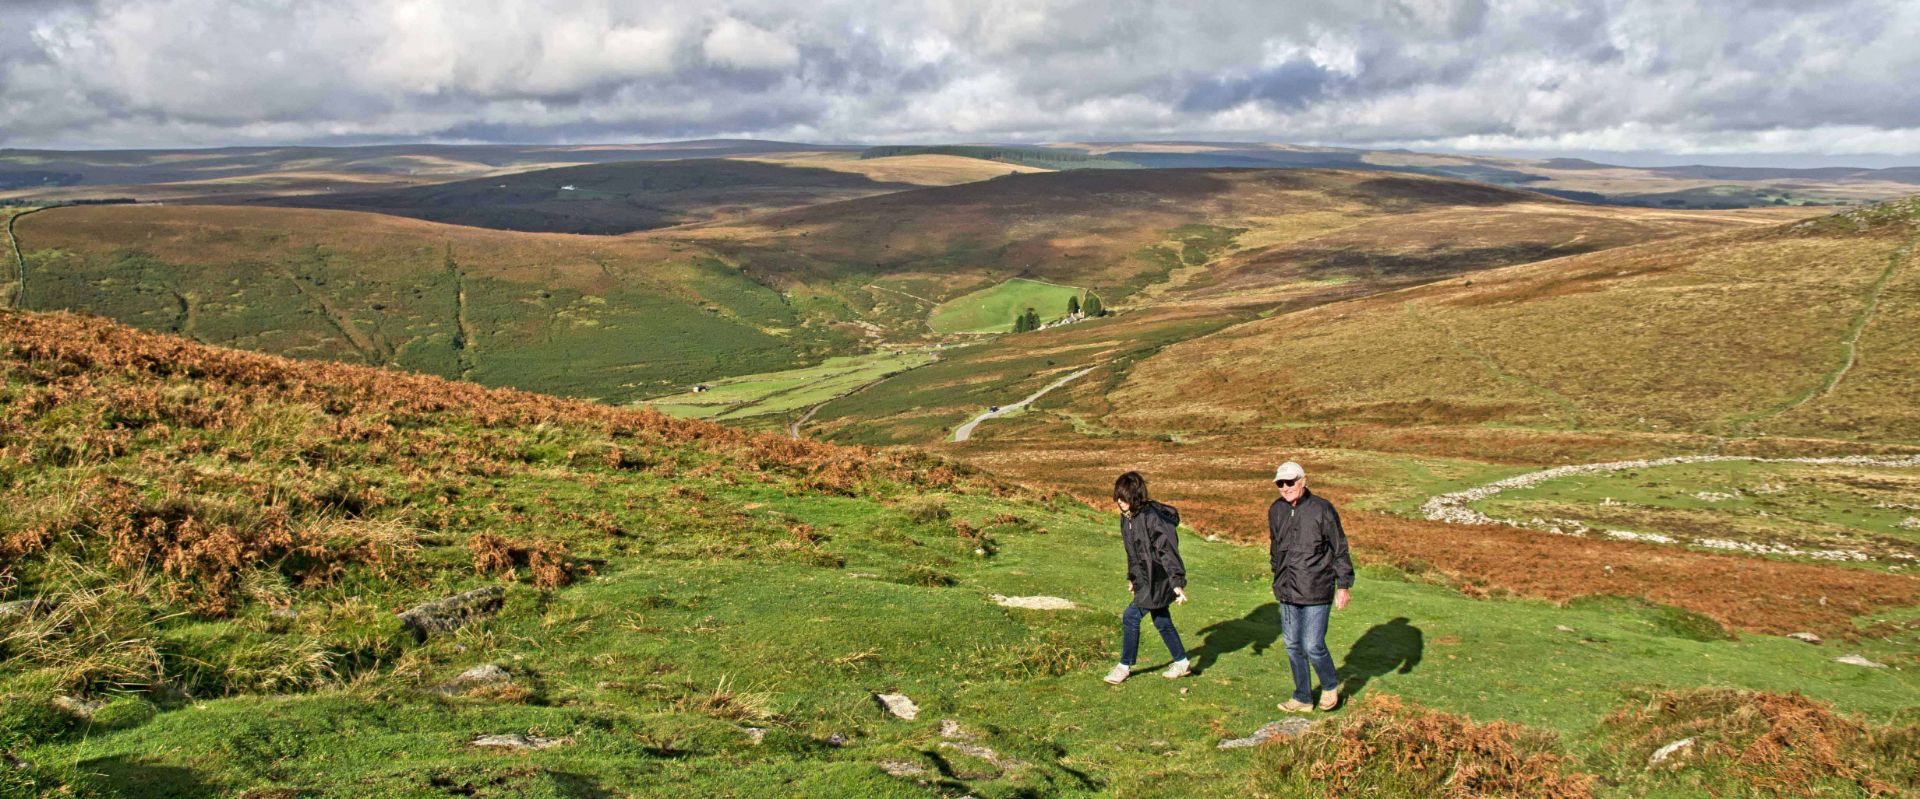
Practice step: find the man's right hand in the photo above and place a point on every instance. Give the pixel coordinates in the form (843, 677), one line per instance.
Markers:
(1129, 586)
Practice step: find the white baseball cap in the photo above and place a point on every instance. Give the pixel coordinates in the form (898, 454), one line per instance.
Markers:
(1289, 471)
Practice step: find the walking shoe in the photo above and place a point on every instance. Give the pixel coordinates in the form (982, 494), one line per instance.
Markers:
(1180, 668)
(1330, 699)
(1119, 674)
(1296, 706)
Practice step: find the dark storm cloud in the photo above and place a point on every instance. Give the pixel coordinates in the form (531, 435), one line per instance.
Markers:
(1545, 75)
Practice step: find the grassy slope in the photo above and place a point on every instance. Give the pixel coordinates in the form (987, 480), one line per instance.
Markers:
(735, 582)
(787, 392)
(1732, 333)
(609, 318)
(991, 310)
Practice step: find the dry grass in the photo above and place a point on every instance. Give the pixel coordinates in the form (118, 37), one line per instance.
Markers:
(1387, 747)
(1762, 744)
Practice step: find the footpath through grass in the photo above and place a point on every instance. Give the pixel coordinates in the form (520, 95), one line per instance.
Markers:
(788, 391)
(992, 310)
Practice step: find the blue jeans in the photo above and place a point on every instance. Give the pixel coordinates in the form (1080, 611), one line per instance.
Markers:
(1304, 628)
(1130, 633)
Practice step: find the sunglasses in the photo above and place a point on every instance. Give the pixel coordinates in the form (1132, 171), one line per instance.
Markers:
(1286, 483)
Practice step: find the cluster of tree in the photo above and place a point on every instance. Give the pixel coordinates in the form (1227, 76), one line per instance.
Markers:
(1026, 321)
(1030, 319)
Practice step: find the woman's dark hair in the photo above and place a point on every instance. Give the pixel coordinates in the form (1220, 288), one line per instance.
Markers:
(1131, 488)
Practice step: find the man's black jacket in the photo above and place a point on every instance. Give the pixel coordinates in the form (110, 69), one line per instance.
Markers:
(1152, 539)
(1308, 550)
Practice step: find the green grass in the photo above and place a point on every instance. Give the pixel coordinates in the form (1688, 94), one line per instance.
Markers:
(723, 584)
(992, 310)
(786, 392)
(1872, 510)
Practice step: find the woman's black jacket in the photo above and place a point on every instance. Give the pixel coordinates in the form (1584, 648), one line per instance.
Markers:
(1152, 538)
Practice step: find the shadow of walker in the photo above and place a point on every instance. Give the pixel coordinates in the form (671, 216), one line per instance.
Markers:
(1258, 629)
(1392, 647)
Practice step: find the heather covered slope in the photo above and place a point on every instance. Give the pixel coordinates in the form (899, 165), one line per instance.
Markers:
(1805, 328)
(204, 551)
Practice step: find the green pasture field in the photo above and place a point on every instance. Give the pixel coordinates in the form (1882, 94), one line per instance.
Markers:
(788, 391)
(992, 310)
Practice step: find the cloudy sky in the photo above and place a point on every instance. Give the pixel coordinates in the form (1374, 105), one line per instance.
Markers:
(1837, 78)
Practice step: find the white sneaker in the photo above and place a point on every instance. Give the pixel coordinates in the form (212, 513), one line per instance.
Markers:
(1119, 674)
(1180, 668)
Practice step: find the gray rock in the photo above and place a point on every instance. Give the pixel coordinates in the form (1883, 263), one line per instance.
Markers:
(902, 768)
(476, 677)
(25, 609)
(951, 730)
(1032, 602)
(1284, 728)
(1807, 637)
(514, 740)
(837, 740)
(451, 613)
(983, 753)
(288, 614)
(1856, 660)
(1562, 628)
(899, 705)
(78, 706)
(1660, 755)
(757, 734)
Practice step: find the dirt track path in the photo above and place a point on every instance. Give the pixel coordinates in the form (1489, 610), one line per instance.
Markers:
(13, 242)
(966, 430)
(1452, 507)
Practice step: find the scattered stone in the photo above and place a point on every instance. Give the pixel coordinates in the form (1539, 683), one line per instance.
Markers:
(24, 609)
(1033, 602)
(899, 705)
(991, 757)
(451, 613)
(77, 706)
(1856, 660)
(1660, 755)
(476, 677)
(284, 613)
(1284, 728)
(837, 740)
(757, 734)
(514, 740)
(951, 730)
(1807, 637)
(902, 768)
(862, 575)
(1563, 628)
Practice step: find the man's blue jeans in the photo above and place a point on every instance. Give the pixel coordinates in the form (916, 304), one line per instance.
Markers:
(1130, 633)
(1304, 628)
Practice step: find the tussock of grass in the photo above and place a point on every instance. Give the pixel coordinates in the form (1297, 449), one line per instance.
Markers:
(1757, 744)
(1388, 747)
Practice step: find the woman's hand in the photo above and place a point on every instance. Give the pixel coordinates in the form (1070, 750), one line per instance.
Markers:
(1129, 586)
(1179, 596)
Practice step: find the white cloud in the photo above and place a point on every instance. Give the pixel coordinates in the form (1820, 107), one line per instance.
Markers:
(1664, 75)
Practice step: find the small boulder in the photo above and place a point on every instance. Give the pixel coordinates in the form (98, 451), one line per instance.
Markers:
(480, 676)
(1856, 660)
(24, 609)
(78, 706)
(1807, 637)
(1660, 755)
(899, 705)
(514, 740)
(757, 734)
(837, 740)
(452, 613)
(952, 731)
(902, 768)
(1562, 628)
(1284, 728)
(1033, 602)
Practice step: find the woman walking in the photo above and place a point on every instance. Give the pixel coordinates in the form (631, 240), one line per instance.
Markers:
(1150, 532)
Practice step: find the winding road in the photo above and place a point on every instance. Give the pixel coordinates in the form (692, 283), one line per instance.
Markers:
(966, 430)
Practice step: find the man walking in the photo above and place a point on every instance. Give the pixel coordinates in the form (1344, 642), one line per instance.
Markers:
(1311, 575)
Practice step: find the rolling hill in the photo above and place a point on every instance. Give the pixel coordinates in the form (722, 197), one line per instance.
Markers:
(611, 198)
(1805, 328)
(235, 574)
(603, 317)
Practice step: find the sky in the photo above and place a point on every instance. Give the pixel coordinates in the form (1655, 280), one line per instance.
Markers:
(1807, 81)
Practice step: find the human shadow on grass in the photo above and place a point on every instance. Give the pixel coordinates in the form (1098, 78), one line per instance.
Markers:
(1258, 629)
(1392, 647)
(127, 776)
